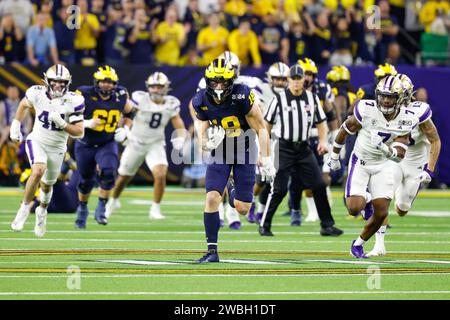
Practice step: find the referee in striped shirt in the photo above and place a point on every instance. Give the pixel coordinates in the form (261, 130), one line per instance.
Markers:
(297, 109)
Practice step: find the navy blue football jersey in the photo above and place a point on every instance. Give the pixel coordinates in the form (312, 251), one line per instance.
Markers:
(230, 114)
(109, 111)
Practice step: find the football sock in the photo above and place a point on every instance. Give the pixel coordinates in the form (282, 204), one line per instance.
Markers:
(359, 242)
(329, 196)
(311, 205)
(83, 204)
(379, 237)
(231, 195)
(102, 201)
(260, 207)
(212, 226)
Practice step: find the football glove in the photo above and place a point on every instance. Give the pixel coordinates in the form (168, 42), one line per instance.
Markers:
(333, 162)
(215, 135)
(267, 169)
(121, 134)
(426, 176)
(178, 142)
(14, 132)
(56, 118)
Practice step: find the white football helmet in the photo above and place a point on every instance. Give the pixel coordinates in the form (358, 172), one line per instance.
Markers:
(158, 85)
(389, 94)
(61, 78)
(277, 75)
(408, 88)
(233, 59)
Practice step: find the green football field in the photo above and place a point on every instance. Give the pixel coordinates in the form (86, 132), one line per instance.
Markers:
(135, 258)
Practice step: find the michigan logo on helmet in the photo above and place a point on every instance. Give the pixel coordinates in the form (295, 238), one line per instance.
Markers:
(277, 76)
(389, 94)
(219, 76)
(57, 79)
(338, 74)
(308, 65)
(105, 74)
(408, 88)
(234, 60)
(158, 85)
(385, 70)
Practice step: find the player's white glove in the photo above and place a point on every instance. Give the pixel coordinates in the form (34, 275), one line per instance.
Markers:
(426, 176)
(178, 142)
(215, 135)
(92, 123)
(14, 132)
(333, 162)
(121, 134)
(56, 118)
(267, 169)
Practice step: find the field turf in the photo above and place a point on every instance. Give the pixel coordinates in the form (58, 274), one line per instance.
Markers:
(135, 258)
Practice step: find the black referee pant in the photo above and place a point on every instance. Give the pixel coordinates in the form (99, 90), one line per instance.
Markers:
(297, 159)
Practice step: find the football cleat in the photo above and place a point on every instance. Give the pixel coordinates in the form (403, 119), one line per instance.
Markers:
(82, 214)
(100, 213)
(230, 188)
(368, 211)
(296, 218)
(155, 214)
(111, 206)
(235, 225)
(20, 219)
(357, 251)
(265, 232)
(210, 256)
(40, 226)
(377, 252)
(331, 231)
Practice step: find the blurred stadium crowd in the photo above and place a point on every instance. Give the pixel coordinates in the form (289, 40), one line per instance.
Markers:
(193, 32)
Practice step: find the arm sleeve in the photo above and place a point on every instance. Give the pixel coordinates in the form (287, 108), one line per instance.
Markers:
(272, 111)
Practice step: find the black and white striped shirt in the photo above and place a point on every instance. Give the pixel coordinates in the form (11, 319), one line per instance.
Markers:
(296, 114)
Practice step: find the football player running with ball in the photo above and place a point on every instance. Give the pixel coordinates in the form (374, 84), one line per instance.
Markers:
(225, 112)
(384, 127)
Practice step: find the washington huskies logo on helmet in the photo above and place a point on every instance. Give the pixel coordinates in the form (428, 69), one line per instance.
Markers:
(158, 85)
(105, 73)
(219, 78)
(57, 79)
(389, 94)
(277, 76)
(233, 59)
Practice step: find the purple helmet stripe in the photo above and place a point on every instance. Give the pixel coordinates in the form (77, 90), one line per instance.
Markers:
(350, 175)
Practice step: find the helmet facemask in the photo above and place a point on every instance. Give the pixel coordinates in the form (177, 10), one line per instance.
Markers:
(157, 86)
(219, 88)
(100, 87)
(387, 102)
(56, 88)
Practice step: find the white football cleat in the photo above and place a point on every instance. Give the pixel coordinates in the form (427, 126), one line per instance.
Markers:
(41, 222)
(21, 218)
(155, 214)
(311, 218)
(377, 252)
(111, 206)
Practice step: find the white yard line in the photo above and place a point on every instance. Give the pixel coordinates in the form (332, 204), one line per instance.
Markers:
(155, 293)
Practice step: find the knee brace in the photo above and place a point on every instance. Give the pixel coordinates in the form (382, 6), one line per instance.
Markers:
(86, 185)
(106, 178)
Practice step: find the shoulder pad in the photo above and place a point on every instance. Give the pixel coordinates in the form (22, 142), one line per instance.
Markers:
(198, 98)
(137, 96)
(173, 102)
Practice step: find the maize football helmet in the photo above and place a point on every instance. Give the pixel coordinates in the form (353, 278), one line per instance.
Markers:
(219, 71)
